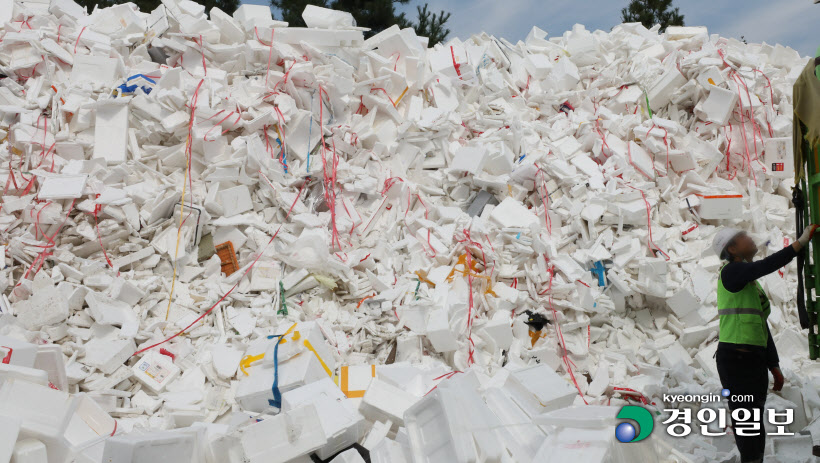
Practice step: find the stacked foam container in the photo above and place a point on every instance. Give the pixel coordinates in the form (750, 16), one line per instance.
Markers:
(389, 219)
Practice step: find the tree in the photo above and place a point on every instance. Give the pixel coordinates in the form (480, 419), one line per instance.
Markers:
(291, 10)
(651, 12)
(377, 15)
(146, 6)
(429, 24)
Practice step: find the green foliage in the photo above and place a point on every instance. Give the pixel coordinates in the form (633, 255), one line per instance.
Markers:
(431, 25)
(651, 12)
(377, 15)
(291, 10)
(146, 6)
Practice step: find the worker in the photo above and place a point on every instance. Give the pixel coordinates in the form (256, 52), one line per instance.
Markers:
(746, 349)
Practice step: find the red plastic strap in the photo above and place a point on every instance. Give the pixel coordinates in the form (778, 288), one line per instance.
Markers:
(7, 357)
(167, 353)
(567, 362)
(629, 391)
(38, 262)
(97, 209)
(545, 199)
(202, 52)
(649, 222)
(455, 63)
(78, 39)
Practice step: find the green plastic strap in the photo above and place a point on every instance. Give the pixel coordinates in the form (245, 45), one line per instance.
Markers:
(648, 108)
(283, 308)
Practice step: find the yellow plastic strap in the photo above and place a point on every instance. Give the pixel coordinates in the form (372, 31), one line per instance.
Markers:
(247, 360)
(401, 96)
(324, 365)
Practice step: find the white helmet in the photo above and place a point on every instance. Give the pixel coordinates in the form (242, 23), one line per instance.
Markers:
(722, 239)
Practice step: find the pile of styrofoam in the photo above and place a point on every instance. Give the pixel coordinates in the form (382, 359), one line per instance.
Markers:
(397, 213)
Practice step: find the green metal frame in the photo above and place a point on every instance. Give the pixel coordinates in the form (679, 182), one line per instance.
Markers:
(811, 214)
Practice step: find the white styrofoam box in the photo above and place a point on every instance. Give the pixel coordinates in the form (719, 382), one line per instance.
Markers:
(438, 331)
(538, 64)
(585, 433)
(710, 77)
(469, 159)
(539, 389)
(16, 352)
(326, 18)
(9, 429)
(662, 90)
(382, 401)
(573, 444)
(341, 422)
(683, 302)
(108, 354)
(320, 37)
(652, 276)
(254, 391)
(778, 155)
(125, 291)
(283, 437)
(225, 359)
(672, 354)
(522, 442)
(46, 306)
(793, 394)
(348, 456)
(66, 424)
(682, 161)
(796, 448)
(235, 200)
(453, 423)
(42, 410)
(512, 213)
(62, 187)
(6, 11)
(718, 106)
(499, 330)
(31, 375)
(180, 445)
(706, 361)
(641, 160)
(310, 335)
(564, 75)
(568, 266)
(250, 16)
(155, 371)
(96, 69)
(600, 380)
(111, 131)
(692, 336)
(29, 451)
(729, 206)
(685, 32)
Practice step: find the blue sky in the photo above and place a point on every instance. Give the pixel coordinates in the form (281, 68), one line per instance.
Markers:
(794, 23)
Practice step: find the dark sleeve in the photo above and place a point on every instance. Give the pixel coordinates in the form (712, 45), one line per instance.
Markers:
(772, 359)
(736, 275)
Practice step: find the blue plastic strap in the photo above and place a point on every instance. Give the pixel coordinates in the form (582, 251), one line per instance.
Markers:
(143, 76)
(600, 271)
(277, 396)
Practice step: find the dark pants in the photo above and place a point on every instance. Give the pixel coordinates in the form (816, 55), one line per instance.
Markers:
(745, 373)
